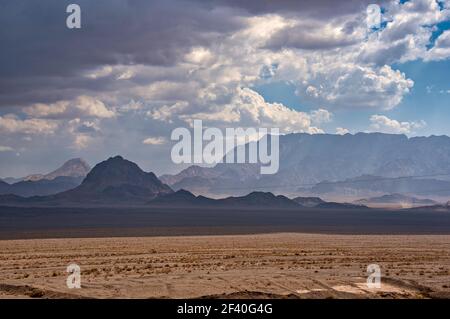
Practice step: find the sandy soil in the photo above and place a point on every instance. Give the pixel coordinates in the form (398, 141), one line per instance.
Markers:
(239, 266)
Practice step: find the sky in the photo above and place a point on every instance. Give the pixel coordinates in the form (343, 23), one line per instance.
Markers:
(136, 70)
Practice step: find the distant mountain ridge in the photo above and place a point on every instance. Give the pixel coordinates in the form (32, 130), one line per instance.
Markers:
(396, 199)
(41, 187)
(114, 181)
(306, 160)
(445, 208)
(308, 201)
(76, 167)
(369, 183)
(66, 177)
(255, 199)
(259, 200)
(117, 181)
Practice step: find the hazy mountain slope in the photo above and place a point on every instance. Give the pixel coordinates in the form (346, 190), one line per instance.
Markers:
(42, 187)
(308, 201)
(220, 179)
(12, 180)
(419, 186)
(66, 177)
(3, 186)
(334, 205)
(445, 208)
(309, 159)
(76, 167)
(396, 199)
(191, 171)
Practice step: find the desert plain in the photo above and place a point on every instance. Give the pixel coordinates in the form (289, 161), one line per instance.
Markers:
(277, 265)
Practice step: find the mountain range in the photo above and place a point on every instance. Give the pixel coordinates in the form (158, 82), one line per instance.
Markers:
(312, 167)
(75, 167)
(368, 184)
(119, 182)
(396, 200)
(260, 200)
(41, 187)
(359, 164)
(114, 181)
(111, 182)
(66, 177)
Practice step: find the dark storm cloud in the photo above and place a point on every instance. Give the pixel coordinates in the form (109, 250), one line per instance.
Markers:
(41, 60)
(300, 37)
(312, 8)
(40, 52)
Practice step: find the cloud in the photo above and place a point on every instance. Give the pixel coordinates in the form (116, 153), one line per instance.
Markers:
(321, 116)
(323, 9)
(203, 53)
(381, 123)
(353, 86)
(342, 131)
(6, 149)
(406, 36)
(167, 112)
(88, 127)
(82, 106)
(10, 123)
(96, 92)
(441, 49)
(152, 39)
(246, 108)
(154, 140)
(101, 72)
(314, 35)
(81, 141)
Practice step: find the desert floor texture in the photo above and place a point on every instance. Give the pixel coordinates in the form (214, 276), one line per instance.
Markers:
(285, 265)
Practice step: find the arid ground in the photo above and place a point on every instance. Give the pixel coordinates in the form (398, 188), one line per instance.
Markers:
(285, 265)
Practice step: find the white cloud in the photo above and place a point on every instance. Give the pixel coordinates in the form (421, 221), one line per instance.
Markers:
(332, 78)
(342, 131)
(81, 141)
(10, 123)
(199, 55)
(311, 34)
(342, 74)
(407, 34)
(100, 72)
(246, 108)
(154, 140)
(441, 49)
(6, 149)
(321, 116)
(381, 123)
(82, 106)
(132, 105)
(167, 112)
(353, 86)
